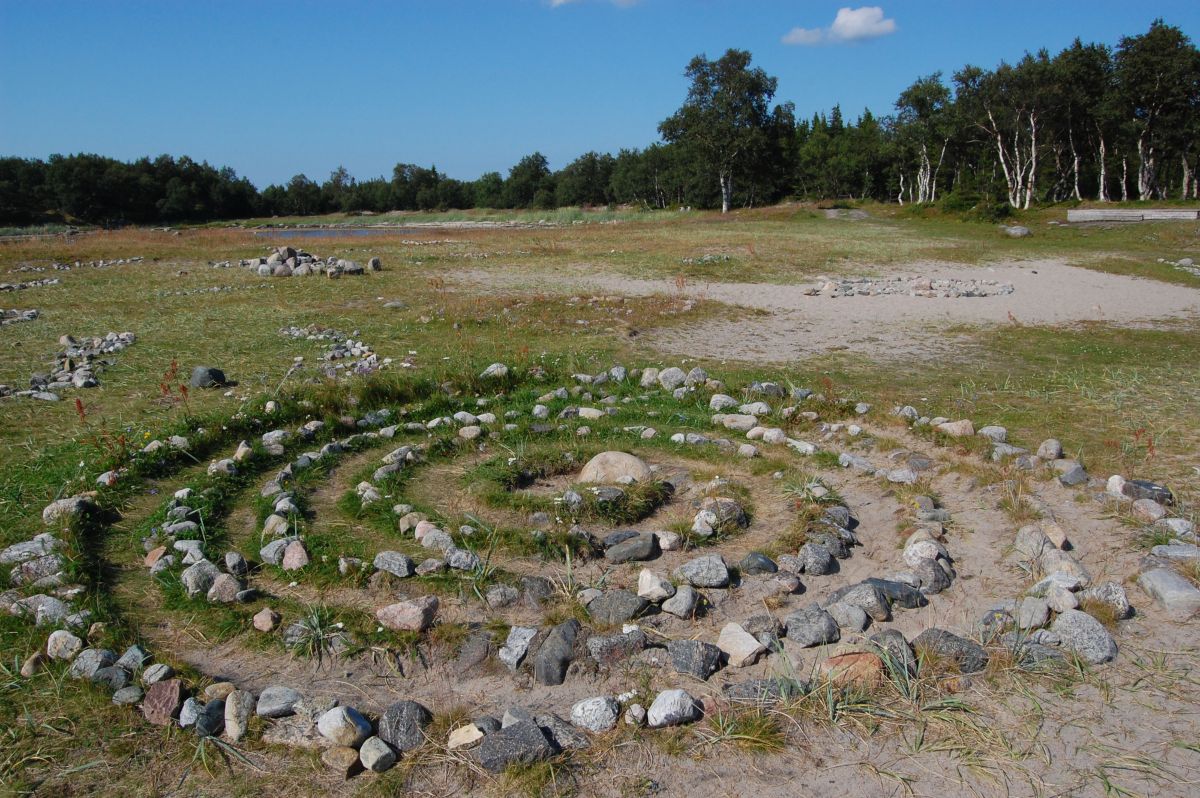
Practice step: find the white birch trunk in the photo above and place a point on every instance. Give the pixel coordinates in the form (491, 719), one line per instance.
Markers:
(1145, 168)
(1102, 192)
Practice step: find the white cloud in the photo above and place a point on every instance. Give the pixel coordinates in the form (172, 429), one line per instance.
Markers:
(804, 36)
(856, 24)
(850, 25)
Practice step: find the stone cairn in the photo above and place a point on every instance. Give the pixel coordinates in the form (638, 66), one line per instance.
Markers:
(288, 262)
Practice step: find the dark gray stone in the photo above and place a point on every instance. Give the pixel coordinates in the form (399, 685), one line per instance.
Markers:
(617, 606)
(816, 559)
(867, 597)
(898, 593)
(934, 578)
(1144, 489)
(620, 536)
(475, 651)
(765, 692)
(91, 660)
(487, 724)
(128, 696)
(208, 377)
(395, 563)
(643, 546)
(211, 720)
(402, 725)
(523, 742)
(112, 678)
(551, 661)
(969, 655)
(828, 539)
(535, 590)
(709, 570)
(694, 657)
(277, 701)
(133, 659)
(613, 649)
(840, 515)
(766, 630)
(812, 626)
(561, 733)
(756, 564)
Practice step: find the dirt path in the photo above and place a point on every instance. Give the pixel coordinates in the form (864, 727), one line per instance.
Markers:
(1047, 292)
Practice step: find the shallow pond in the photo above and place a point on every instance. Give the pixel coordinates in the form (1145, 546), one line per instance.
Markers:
(335, 232)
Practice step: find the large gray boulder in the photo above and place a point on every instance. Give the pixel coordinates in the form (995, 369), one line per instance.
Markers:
(1087, 637)
(208, 377)
(609, 468)
(707, 571)
(812, 626)
(198, 578)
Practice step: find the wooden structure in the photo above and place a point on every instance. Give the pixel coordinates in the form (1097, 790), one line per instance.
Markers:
(1133, 215)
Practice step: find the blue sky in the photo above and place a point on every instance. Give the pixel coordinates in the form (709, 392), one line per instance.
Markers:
(275, 88)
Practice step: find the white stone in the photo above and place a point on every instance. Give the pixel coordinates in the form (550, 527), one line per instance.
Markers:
(597, 714)
(742, 648)
(672, 708)
(344, 726)
(653, 587)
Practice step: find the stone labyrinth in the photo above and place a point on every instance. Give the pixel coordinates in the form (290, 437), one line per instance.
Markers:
(511, 565)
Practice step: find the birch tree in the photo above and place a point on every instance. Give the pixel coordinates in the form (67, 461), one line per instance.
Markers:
(924, 124)
(725, 117)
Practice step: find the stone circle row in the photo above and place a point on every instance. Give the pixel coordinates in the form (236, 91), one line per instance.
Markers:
(76, 366)
(533, 738)
(907, 286)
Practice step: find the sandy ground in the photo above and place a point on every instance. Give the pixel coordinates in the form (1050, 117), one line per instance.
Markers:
(795, 326)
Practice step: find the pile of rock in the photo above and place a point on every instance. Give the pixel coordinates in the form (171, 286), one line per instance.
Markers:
(907, 286)
(1048, 621)
(704, 260)
(76, 366)
(288, 262)
(343, 355)
(216, 289)
(1161, 571)
(14, 316)
(1184, 265)
(1069, 471)
(39, 564)
(95, 264)
(29, 284)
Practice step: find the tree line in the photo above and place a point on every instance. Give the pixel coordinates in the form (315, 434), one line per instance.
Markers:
(1090, 122)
